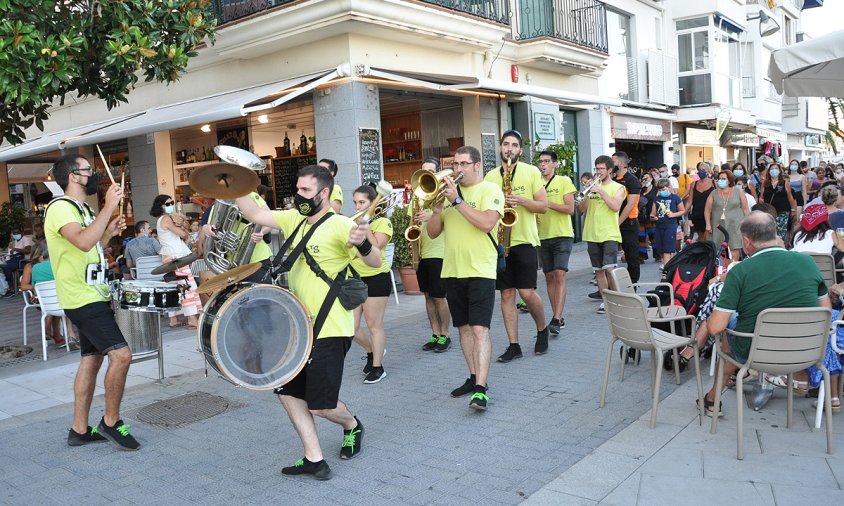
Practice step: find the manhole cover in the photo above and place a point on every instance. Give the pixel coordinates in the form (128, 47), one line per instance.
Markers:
(11, 355)
(185, 409)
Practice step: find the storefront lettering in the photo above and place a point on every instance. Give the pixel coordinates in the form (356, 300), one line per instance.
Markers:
(643, 129)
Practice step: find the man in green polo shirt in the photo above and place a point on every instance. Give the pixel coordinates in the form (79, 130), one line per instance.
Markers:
(759, 283)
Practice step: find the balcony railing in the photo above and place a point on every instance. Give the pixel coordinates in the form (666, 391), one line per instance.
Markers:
(231, 10)
(493, 10)
(581, 22)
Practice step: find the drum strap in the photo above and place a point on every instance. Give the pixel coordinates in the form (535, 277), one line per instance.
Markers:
(280, 265)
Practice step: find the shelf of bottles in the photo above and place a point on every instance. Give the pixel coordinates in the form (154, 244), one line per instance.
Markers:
(402, 147)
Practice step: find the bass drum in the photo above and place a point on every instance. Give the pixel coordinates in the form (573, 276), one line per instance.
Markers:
(256, 336)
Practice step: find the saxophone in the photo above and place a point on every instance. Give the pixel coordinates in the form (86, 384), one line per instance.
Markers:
(510, 217)
(414, 233)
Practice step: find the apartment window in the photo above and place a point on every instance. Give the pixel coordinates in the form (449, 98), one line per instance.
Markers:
(622, 67)
(693, 61)
(787, 30)
(693, 51)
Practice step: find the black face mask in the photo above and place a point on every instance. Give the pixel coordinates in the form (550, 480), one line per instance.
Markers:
(93, 182)
(306, 206)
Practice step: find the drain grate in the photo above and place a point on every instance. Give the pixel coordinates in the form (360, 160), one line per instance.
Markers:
(185, 409)
(14, 355)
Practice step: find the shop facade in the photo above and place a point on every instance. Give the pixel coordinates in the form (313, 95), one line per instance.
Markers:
(646, 141)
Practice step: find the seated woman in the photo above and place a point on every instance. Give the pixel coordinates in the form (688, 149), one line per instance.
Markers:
(39, 271)
(814, 233)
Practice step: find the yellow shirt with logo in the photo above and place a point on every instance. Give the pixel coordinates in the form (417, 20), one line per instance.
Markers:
(526, 181)
(69, 263)
(384, 226)
(470, 253)
(428, 248)
(554, 223)
(601, 223)
(336, 194)
(262, 250)
(328, 248)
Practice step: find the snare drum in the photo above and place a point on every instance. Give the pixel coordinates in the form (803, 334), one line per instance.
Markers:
(148, 295)
(256, 336)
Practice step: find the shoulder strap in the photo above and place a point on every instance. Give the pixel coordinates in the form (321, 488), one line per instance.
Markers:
(549, 181)
(287, 264)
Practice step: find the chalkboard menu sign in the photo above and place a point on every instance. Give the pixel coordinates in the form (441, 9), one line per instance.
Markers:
(488, 151)
(370, 155)
(284, 174)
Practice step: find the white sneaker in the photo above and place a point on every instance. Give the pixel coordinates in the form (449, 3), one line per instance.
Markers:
(601, 309)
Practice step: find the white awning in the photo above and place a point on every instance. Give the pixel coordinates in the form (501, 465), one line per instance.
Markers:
(812, 68)
(454, 83)
(198, 111)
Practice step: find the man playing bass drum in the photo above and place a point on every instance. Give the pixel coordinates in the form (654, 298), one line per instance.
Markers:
(316, 389)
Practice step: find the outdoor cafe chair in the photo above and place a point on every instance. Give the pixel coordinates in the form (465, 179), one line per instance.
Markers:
(49, 301)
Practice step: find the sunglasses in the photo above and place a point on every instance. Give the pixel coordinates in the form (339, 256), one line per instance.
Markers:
(169, 203)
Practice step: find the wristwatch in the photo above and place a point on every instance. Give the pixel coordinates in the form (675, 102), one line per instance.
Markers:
(457, 202)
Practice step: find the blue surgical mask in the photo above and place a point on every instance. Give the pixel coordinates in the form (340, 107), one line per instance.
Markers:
(664, 193)
(648, 184)
(738, 172)
(775, 173)
(794, 167)
(169, 209)
(17, 237)
(722, 183)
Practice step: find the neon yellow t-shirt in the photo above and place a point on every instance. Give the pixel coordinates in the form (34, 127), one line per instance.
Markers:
(336, 194)
(428, 248)
(526, 181)
(69, 262)
(329, 249)
(384, 226)
(554, 223)
(601, 223)
(262, 250)
(470, 253)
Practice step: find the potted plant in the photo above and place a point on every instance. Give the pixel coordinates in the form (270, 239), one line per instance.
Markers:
(401, 254)
(10, 217)
(566, 156)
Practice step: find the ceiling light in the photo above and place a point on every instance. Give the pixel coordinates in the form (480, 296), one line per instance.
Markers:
(206, 128)
(263, 119)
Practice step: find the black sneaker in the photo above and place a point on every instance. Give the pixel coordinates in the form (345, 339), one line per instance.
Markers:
(368, 367)
(443, 344)
(431, 344)
(562, 322)
(119, 435)
(513, 351)
(554, 326)
(352, 440)
(596, 295)
(91, 436)
(478, 401)
(601, 309)
(466, 388)
(541, 342)
(7, 295)
(318, 470)
(375, 375)
(522, 306)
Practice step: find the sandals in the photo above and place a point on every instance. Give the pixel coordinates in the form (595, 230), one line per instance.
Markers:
(177, 325)
(801, 387)
(836, 404)
(709, 407)
(668, 361)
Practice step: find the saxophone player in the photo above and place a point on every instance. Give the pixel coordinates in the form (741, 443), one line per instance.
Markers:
(524, 191)
(428, 273)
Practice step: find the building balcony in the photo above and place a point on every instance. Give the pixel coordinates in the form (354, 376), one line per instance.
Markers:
(579, 22)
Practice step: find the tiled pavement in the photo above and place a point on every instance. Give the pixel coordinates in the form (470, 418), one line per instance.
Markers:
(421, 446)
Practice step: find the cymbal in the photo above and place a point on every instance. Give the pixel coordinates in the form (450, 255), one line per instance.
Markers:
(224, 181)
(174, 264)
(229, 277)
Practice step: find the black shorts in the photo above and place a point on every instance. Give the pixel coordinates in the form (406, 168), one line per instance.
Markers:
(603, 255)
(380, 285)
(318, 383)
(555, 253)
(470, 300)
(98, 330)
(429, 276)
(521, 268)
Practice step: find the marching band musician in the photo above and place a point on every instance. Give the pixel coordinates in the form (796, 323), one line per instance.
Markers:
(469, 264)
(429, 274)
(75, 238)
(527, 197)
(380, 286)
(556, 236)
(601, 229)
(336, 198)
(316, 389)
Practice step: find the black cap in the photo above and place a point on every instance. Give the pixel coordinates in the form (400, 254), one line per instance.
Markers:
(512, 133)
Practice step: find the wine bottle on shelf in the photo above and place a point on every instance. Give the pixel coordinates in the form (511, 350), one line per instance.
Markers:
(286, 151)
(202, 154)
(303, 144)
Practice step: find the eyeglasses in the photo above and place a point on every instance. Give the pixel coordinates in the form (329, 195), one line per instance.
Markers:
(545, 160)
(463, 165)
(88, 169)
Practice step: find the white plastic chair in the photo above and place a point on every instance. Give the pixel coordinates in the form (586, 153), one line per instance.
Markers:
(49, 303)
(389, 251)
(143, 267)
(833, 343)
(27, 303)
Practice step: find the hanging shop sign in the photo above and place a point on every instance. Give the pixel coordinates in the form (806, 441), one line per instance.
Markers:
(701, 137)
(744, 139)
(771, 135)
(640, 129)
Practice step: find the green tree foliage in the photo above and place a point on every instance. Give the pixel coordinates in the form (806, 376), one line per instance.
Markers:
(52, 49)
(836, 111)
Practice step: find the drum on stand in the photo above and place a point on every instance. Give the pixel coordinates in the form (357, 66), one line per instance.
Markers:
(256, 336)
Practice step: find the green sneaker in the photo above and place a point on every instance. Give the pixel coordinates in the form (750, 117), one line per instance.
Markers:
(522, 306)
(443, 344)
(431, 344)
(478, 401)
(352, 441)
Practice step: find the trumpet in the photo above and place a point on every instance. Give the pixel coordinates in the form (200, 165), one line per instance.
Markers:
(383, 203)
(429, 187)
(583, 194)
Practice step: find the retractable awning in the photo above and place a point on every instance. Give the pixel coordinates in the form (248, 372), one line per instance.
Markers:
(456, 83)
(203, 110)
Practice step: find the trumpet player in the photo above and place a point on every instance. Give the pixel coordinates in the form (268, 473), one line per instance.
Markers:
(524, 191)
(429, 273)
(469, 264)
(600, 229)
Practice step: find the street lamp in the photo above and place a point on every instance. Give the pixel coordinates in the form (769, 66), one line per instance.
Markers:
(767, 24)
